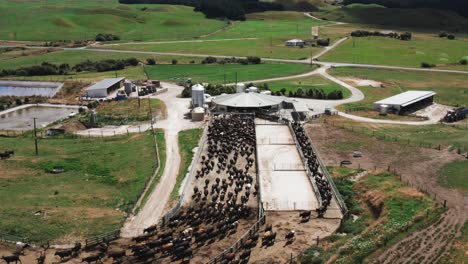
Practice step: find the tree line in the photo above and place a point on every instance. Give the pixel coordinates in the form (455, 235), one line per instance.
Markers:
(459, 6)
(46, 68)
(231, 9)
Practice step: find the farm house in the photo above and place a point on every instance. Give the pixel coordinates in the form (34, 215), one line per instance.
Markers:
(103, 88)
(405, 102)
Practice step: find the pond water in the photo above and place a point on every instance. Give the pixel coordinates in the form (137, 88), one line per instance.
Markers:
(21, 89)
(22, 119)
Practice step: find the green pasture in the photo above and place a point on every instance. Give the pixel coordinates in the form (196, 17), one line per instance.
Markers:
(263, 47)
(312, 82)
(271, 24)
(451, 88)
(102, 177)
(215, 73)
(83, 19)
(454, 175)
(29, 57)
(388, 51)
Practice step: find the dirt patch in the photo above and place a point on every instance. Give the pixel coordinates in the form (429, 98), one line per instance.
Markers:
(13, 173)
(62, 22)
(306, 236)
(361, 82)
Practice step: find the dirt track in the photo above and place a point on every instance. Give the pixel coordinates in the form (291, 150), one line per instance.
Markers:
(418, 167)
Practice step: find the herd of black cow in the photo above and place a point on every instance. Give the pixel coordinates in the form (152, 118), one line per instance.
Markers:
(313, 164)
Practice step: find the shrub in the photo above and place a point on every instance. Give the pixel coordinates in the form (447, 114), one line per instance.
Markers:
(463, 61)
(174, 61)
(323, 42)
(151, 61)
(209, 60)
(442, 34)
(18, 101)
(132, 62)
(106, 37)
(254, 60)
(451, 37)
(427, 65)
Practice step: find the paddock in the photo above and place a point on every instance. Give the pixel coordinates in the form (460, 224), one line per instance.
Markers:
(283, 179)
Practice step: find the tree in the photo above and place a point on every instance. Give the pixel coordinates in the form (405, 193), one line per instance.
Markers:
(132, 61)
(174, 61)
(18, 101)
(290, 94)
(463, 61)
(254, 60)
(427, 65)
(26, 100)
(451, 37)
(406, 36)
(151, 61)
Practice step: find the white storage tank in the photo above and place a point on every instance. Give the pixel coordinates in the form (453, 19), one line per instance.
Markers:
(383, 110)
(266, 92)
(198, 95)
(240, 88)
(128, 87)
(253, 89)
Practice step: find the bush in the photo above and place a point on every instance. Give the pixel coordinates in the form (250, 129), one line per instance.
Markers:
(132, 62)
(451, 37)
(81, 110)
(427, 65)
(254, 60)
(323, 42)
(209, 60)
(463, 61)
(151, 61)
(18, 101)
(174, 61)
(406, 36)
(106, 37)
(442, 34)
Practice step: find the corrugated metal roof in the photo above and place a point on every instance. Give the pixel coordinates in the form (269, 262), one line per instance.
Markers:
(104, 84)
(300, 107)
(406, 98)
(247, 100)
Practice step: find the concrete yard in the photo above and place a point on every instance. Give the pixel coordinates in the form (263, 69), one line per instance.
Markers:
(283, 181)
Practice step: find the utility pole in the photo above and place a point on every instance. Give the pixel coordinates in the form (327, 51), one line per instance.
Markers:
(236, 79)
(35, 136)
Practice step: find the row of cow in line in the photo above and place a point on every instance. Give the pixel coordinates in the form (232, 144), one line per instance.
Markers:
(313, 165)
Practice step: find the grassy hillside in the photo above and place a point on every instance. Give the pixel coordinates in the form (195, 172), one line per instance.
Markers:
(83, 19)
(450, 88)
(216, 73)
(102, 177)
(422, 18)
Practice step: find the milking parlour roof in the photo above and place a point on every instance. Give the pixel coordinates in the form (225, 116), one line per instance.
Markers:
(247, 100)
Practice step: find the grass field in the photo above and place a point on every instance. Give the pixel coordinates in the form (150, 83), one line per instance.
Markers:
(83, 19)
(188, 140)
(216, 73)
(451, 89)
(312, 82)
(454, 175)
(271, 24)
(263, 47)
(388, 51)
(29, 57)
(397, 17)
(132, 110)
(102, 178)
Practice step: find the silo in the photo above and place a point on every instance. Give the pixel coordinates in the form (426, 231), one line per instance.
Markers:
(198, 95)
(383, 110)
(128, 87)
(240, 88)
